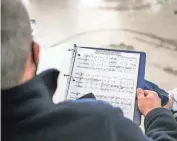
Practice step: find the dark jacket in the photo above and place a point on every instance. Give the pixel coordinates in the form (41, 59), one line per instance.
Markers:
(28, 114)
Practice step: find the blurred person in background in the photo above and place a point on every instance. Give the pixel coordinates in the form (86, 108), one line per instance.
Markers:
(28, 113)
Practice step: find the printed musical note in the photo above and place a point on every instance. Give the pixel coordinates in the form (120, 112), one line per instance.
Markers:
(104, 83)
(110, 75)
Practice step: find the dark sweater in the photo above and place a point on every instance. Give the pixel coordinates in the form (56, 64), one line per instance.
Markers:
(28, 114)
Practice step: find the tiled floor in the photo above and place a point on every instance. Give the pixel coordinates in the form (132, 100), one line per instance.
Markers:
(145, 25)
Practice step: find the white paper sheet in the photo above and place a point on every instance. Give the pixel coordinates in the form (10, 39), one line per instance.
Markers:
(109, 75)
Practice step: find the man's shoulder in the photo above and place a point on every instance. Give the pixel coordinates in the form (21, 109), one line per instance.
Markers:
(87, 106)
(80, 109)
(85, 111)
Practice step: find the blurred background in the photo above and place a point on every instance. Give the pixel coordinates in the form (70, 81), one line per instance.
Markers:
(143, 25)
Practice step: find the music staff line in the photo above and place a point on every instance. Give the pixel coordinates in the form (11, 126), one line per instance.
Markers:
(123, 103)
(116, 63)
(103, 83)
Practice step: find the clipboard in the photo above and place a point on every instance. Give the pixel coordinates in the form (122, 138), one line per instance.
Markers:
(140, 79)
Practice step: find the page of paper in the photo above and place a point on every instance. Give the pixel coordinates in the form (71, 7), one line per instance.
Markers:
(109, 75)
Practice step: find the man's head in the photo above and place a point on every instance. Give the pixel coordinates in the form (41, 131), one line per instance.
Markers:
(19, 53)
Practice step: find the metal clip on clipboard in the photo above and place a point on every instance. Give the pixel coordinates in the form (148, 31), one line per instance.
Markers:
(74, 50)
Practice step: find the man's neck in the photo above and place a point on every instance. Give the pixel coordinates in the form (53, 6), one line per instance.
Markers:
(29, 71)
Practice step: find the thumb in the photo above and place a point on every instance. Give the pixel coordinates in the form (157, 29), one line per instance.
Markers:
(140, 93)
(170, 102)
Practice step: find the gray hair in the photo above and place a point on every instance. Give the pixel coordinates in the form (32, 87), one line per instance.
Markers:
(16, 40)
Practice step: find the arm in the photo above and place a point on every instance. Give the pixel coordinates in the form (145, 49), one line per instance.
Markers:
(160, 124)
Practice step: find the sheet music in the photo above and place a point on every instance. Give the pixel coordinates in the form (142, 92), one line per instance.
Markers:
(109, 75)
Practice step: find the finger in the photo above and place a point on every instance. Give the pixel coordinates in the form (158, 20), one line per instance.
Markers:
(140, 93)
(170, 102)
(150, 93)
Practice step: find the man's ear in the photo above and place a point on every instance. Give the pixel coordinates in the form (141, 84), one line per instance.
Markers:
(36, 51)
